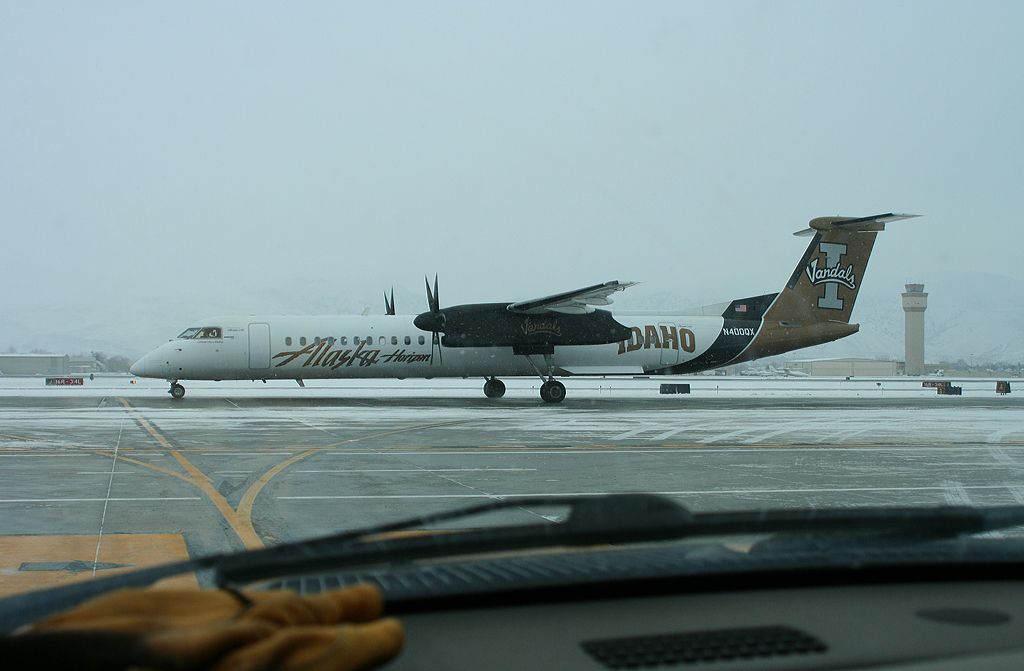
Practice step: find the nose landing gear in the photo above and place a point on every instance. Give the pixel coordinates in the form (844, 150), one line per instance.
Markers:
(176, 391)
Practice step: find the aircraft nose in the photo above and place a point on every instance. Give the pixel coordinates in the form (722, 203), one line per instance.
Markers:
(138, 368)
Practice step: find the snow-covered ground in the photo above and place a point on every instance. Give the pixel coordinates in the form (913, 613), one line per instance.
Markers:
(580, 387)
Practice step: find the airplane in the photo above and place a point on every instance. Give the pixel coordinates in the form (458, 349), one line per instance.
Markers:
(555, 336)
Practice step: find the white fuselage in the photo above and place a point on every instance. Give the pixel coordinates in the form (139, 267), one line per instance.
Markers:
(288, 347)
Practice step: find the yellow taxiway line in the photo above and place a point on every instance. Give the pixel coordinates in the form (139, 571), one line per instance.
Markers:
(240, 524)
(240, 518)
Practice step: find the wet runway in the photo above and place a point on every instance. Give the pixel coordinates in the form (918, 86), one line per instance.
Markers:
(131, 477)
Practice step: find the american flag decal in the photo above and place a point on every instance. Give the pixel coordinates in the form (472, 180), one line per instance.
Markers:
(742, 307)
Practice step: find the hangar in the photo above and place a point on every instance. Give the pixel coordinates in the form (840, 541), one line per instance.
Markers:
(846, 367)
(46, 364)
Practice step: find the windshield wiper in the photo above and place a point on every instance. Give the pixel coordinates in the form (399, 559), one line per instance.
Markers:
(604, 519)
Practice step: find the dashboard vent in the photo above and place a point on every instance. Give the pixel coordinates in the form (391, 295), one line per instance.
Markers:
(699, 647)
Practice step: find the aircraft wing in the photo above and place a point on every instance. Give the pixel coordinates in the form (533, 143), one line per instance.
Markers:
(580, 301)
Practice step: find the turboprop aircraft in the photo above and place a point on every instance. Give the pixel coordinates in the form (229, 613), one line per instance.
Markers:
(551, 337)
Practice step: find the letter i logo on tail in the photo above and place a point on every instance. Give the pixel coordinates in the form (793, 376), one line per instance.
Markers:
(832, 275)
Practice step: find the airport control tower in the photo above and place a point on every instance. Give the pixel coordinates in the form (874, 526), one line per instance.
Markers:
(915, 301)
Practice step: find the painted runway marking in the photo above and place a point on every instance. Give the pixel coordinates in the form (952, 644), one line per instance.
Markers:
(54, 456)
(105, 472)
(785, 428)
(228, 400)
(693, 492)
(242, 526)
(420, 470)
(724, 436)
(99, 500)
(629, 434)
(248, 500)
(997, 436)
(955, 493)
(1000, 455)
(241, 454)
(27, 439)
(696, 450)
(106, 502)
(668, 434)
(945, 464)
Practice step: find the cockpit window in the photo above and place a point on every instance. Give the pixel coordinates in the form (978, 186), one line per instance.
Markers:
(202, 332)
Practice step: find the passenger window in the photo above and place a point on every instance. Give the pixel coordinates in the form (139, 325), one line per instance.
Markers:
(316, 340)
(394, 340)
(422, 340)
(288, 341)
(408, 340)
(330, 341)
(369, 340)
(302, 340)
(344, 340)
(383, 340)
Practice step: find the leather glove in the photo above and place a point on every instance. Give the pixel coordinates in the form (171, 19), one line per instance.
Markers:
(218, 630)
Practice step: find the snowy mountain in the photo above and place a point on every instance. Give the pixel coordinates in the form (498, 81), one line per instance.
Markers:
(971, 316)
(976, 317)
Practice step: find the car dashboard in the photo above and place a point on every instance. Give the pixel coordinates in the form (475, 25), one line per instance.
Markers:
(707, 606)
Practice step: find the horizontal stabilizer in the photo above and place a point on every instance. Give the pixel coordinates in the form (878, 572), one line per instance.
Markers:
(852, 224)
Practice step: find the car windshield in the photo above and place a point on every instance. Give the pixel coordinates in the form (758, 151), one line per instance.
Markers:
(602, 199)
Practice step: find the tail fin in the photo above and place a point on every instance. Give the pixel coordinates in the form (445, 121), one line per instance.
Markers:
(816, 303)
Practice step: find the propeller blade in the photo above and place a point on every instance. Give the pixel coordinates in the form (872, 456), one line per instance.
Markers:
(435, 339)
(430, 295)
(389, 306)
(436, 318)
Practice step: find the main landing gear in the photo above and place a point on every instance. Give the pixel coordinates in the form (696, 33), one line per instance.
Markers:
(176, 391)
(552, 391)
(494, 388)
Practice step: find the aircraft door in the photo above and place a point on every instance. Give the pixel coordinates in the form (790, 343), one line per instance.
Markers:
(668, 334)
(259, 345)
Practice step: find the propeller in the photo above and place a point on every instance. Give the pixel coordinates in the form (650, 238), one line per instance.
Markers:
(389, 306)
(432, 321)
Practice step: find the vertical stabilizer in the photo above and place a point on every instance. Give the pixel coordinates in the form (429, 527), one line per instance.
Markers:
(816, 304)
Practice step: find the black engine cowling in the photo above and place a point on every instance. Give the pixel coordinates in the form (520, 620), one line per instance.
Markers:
(493, 325)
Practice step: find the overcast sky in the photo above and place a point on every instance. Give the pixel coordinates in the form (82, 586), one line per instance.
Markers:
(218, 153)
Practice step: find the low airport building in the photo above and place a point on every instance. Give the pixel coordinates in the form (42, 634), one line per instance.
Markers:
(846, 367)
(46, 364)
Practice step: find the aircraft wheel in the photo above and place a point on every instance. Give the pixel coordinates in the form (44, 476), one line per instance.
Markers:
(177, 391)
(494, 388)
(552, 391)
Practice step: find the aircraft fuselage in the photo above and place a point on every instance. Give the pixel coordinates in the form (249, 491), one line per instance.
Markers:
(344, 347)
